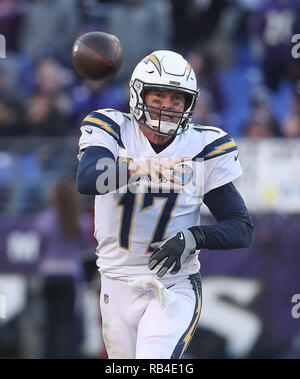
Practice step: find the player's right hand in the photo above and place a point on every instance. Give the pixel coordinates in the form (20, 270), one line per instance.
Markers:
(158, 168)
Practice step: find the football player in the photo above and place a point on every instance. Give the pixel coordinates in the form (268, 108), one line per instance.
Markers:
(150, 171)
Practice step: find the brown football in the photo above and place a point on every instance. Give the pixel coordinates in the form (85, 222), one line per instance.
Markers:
(97, 55)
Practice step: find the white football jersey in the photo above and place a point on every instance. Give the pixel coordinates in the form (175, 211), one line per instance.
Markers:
(127, 222)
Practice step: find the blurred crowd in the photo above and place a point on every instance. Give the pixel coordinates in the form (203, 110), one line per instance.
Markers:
(240, 50)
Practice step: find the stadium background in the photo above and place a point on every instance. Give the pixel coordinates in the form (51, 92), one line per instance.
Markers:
(242, 55)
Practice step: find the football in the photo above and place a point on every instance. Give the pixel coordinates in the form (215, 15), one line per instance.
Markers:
(97, 55)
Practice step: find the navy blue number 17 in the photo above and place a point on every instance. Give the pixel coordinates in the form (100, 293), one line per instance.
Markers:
(128, 202)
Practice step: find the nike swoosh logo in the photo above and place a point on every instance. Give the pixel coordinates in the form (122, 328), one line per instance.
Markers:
(181, 236)
(89, 131)
(236, 157)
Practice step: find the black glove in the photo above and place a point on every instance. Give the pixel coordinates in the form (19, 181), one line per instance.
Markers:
(175, 249)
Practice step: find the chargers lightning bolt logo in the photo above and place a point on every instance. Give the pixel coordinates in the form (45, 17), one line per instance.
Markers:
(221, 148)
(153, 59)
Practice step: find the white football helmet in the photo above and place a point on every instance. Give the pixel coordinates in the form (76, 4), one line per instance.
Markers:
(163, 69)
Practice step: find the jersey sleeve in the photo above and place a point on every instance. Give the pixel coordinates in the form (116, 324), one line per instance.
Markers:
(101, 128)
(224, 170)
(221, 162)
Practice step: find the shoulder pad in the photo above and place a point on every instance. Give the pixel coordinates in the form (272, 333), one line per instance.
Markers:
(108, 120)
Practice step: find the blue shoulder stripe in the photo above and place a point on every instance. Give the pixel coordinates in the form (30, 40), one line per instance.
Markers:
(105, 123)
(220, 146)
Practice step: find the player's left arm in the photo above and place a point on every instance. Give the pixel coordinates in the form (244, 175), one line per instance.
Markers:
(234, 229)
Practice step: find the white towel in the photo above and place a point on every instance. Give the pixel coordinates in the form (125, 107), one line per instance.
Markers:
(164, 296)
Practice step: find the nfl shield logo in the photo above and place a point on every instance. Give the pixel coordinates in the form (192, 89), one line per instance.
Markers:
(106, 298)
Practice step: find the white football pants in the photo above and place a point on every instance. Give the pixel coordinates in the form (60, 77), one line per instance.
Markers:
(144, 320)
